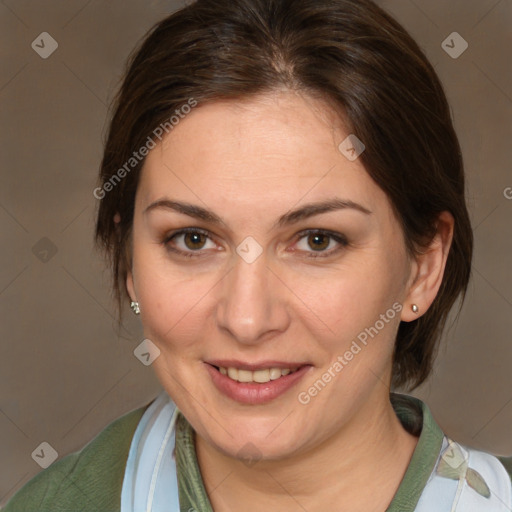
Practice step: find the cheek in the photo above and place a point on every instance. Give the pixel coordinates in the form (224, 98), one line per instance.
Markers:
(351, 298)
(334, 305)
(361, 308)
(174, 307)
(172, 299)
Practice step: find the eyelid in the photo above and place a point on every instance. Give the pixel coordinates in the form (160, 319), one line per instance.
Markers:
(339, 238)
(312, 231)
(169, 236)
(183, 231)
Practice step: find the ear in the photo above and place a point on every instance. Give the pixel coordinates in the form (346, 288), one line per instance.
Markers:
(130, 286)
(427, 269)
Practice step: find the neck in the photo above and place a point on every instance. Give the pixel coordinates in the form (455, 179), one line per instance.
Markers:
(346, 469)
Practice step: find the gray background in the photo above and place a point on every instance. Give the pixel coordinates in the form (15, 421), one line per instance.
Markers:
(65, 372)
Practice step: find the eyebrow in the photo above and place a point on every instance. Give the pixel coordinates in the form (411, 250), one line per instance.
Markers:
(291, 217)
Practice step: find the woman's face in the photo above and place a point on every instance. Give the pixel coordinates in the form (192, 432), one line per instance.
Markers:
(253, 286)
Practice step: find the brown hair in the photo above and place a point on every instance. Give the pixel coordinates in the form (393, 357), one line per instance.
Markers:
(349, 52)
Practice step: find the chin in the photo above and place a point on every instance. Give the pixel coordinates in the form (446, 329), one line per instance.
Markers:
(251, 445)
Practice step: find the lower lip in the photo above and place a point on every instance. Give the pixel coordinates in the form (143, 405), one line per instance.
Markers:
(254, 393)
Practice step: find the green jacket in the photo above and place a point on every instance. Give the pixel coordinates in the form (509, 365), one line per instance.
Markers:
(91, 479)
(88, 480)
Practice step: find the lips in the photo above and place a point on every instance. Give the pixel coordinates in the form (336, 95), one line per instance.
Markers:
(256, 383)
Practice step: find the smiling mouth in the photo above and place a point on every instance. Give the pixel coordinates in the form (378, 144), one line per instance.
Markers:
(259, 376)
(255, 383)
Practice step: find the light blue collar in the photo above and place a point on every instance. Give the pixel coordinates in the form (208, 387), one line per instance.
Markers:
(463, 479)
(150, 481)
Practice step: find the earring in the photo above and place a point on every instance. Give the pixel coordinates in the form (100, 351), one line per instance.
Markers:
(135, 307)
(415, 308)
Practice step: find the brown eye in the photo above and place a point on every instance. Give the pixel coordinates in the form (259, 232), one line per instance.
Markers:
(194, 240)
(318, 241)
(189, 242)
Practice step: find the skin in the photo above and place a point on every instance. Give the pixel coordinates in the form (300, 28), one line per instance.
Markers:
(250, 162)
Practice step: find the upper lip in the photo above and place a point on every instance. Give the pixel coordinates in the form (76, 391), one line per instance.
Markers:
(241, 365)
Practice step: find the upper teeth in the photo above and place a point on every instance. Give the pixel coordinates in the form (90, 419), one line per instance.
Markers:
(260, 376)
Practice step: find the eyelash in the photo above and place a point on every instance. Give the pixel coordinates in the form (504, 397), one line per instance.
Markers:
(340, 239)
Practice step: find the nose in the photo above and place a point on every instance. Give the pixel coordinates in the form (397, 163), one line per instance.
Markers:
(252, 305)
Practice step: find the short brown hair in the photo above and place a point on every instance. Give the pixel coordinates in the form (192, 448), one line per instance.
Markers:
(356, 57)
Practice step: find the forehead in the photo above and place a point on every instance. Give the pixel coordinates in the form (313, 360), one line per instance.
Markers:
(266, 153)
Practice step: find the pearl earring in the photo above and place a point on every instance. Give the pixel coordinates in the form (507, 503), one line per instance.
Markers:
(415, 308)
(135, 307)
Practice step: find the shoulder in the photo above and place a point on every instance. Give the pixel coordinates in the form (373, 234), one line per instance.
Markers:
(89, 479)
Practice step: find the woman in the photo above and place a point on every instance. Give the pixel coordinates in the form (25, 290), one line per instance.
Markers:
(282, 202)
